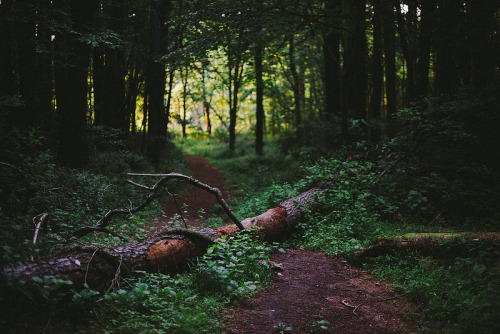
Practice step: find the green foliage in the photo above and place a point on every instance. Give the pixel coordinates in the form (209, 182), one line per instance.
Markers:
(461, 293)
(72, 198)
(161, 304)
(234, 266)
(45, 304)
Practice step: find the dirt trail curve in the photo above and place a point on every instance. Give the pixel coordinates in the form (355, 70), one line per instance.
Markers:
(318, 294)
(194, 198)
(312, 294)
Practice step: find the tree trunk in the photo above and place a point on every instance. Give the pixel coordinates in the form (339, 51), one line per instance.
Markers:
(377, 75)
(331, 59)
(296, 86)
(390, 57)
(424, 50)
(447, 79)
(7, 51)
(235, 76)
(166, 252)
(408, 55)
(260, 115)
(355, 78)
(71, 75)
(156, 88)
(432, 244)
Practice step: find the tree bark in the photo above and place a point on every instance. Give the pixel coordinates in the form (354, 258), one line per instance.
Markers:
(332, 63)
(260, 114)
(296, 86)
(431, 244)
(166, 252)
(390, 57)
(355, 75)
(377, 75)
(425, 43)
(156, 88)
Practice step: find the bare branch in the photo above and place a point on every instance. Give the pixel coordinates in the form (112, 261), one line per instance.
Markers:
(196, 183)
(41, 219)
(101, 224)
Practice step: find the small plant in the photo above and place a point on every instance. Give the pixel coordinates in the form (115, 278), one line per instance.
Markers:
(282, 328)
(319, 326)
(234, 266)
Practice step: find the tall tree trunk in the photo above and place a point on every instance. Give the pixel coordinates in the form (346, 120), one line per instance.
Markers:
(8, 86)
(110, 72)
(332, 61)
(259, 90)
(71, 86)
(156, 88)
(206, 106)
(446, 68)
(235, 76)
(109, 89)
(232, 117)
(184, 78)
(377, 73)
(388, 24)
(206, 102)
(35, 77)
(355, 77)
(404, 39)
(482, 31)
(296, 86)
(424, 50)
(166, 116)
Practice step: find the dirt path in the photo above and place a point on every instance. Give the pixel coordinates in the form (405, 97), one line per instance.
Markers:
(311, 291)
(314, 291)
(193, 199)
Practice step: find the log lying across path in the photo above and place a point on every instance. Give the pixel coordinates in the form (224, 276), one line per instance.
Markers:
(166, 252)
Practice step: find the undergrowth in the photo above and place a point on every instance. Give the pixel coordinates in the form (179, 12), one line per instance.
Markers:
(234, 267)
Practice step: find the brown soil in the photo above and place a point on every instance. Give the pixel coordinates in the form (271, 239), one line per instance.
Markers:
(310, 291)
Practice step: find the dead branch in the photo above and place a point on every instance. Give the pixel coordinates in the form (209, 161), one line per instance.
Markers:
(102, 223)
(196, 183)
(351, 306)
(41, 219)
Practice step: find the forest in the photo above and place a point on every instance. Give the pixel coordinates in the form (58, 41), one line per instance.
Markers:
(159, 157)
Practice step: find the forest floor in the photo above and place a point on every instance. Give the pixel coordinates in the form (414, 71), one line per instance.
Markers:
(312, 293)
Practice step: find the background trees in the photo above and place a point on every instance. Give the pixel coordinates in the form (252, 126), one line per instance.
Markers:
(268, 66)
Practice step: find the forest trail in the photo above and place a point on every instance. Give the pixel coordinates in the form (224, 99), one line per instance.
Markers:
(193, 199)
(311, 294)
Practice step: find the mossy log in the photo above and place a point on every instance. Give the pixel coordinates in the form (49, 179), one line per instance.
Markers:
(167, 252)
(432, 244)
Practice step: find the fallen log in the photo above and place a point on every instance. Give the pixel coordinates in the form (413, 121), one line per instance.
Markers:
(166, 252)
(431, 244)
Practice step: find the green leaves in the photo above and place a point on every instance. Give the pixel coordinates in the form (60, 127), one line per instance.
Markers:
(235, 266)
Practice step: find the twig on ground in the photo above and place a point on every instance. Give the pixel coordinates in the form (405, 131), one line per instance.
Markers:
(41, 219)
(352, 306)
